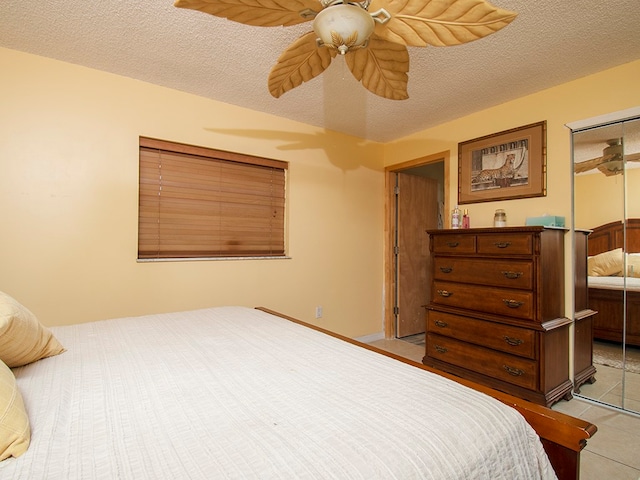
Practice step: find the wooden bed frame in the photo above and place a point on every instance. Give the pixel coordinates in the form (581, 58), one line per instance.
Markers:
(563, 437)
(608, 322)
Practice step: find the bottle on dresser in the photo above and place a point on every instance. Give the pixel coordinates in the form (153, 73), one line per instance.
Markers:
(500, 218)
(466, 221)
(455, 218)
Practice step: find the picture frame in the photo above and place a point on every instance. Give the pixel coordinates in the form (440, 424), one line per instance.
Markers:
(504, 166)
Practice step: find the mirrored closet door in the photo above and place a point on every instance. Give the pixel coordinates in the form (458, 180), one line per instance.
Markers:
(606, 188)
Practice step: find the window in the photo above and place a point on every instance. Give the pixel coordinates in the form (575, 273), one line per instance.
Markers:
(196, 202)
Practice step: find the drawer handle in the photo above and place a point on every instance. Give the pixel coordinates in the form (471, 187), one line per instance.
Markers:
(446, 269)
(440, 349)
(512, 303)
(440, 323)
(516, 372)
(445, 293)
(452, 244)
(502, 244)
(513, 341)
(512, 275)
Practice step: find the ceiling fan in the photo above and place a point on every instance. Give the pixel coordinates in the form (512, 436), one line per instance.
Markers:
(374, 43)
(612, 160)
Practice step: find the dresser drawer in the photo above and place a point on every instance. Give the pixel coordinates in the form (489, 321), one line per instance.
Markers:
(498, 301)
(502, 366)
(500, 273)
(453, 243)
(505, 244)
(514, 340)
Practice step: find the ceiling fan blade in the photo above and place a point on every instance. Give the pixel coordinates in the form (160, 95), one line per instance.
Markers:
(300, 62)
(381, 67)
(259, 13)
(632, 157)
(587, 165)
(440, 23)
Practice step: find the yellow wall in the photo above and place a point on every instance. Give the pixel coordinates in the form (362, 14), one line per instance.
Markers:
(600, 199)
(68, 193)
(605, 92)
(68, 203)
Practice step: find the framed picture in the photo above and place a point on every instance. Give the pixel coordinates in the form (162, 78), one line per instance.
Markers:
(504, 166)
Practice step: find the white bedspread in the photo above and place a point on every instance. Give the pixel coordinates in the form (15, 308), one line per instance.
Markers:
(233, 392)
(615, 283)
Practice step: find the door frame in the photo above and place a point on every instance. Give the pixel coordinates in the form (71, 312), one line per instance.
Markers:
(389, 207)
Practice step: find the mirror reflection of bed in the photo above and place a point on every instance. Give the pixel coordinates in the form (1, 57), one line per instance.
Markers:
(613, 276)
(610, 273)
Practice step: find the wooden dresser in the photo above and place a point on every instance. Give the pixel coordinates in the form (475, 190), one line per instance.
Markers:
(496, 314)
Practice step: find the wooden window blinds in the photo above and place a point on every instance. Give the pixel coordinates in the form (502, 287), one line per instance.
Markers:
(196, 202)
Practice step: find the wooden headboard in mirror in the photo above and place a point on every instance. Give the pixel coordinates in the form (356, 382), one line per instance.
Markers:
(610, 236)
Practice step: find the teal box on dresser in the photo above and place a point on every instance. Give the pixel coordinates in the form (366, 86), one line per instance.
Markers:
(546, 221)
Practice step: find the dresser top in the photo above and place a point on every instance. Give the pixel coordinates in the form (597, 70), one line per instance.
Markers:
(518, 229)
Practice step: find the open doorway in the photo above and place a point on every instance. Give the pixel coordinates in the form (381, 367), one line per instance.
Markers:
(417, 193)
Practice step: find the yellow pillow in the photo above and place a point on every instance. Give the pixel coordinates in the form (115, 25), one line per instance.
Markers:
(606, 264)
(15, 433)
(23, 339)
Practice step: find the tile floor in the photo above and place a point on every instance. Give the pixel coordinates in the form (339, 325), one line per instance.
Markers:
(614, 452)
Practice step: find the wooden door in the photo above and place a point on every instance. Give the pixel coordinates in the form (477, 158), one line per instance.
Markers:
(416, 212)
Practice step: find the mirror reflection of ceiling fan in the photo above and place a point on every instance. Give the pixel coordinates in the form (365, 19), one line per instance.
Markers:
(612, 160)
(374, 44)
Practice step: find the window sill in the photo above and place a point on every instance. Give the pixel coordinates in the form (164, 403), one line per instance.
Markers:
(201, 259)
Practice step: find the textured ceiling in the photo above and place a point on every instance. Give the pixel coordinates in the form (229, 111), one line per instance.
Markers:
(590, 143)
(550, 42)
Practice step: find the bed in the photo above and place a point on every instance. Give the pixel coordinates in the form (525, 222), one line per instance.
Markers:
(607, 284)
(236, 392)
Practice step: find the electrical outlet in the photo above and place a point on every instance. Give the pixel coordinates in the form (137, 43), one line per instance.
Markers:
(319, 311)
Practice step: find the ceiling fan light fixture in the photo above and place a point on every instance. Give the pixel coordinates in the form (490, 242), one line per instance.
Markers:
(612, 167)
(614, 149)
(347, 26)
(344, 26)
